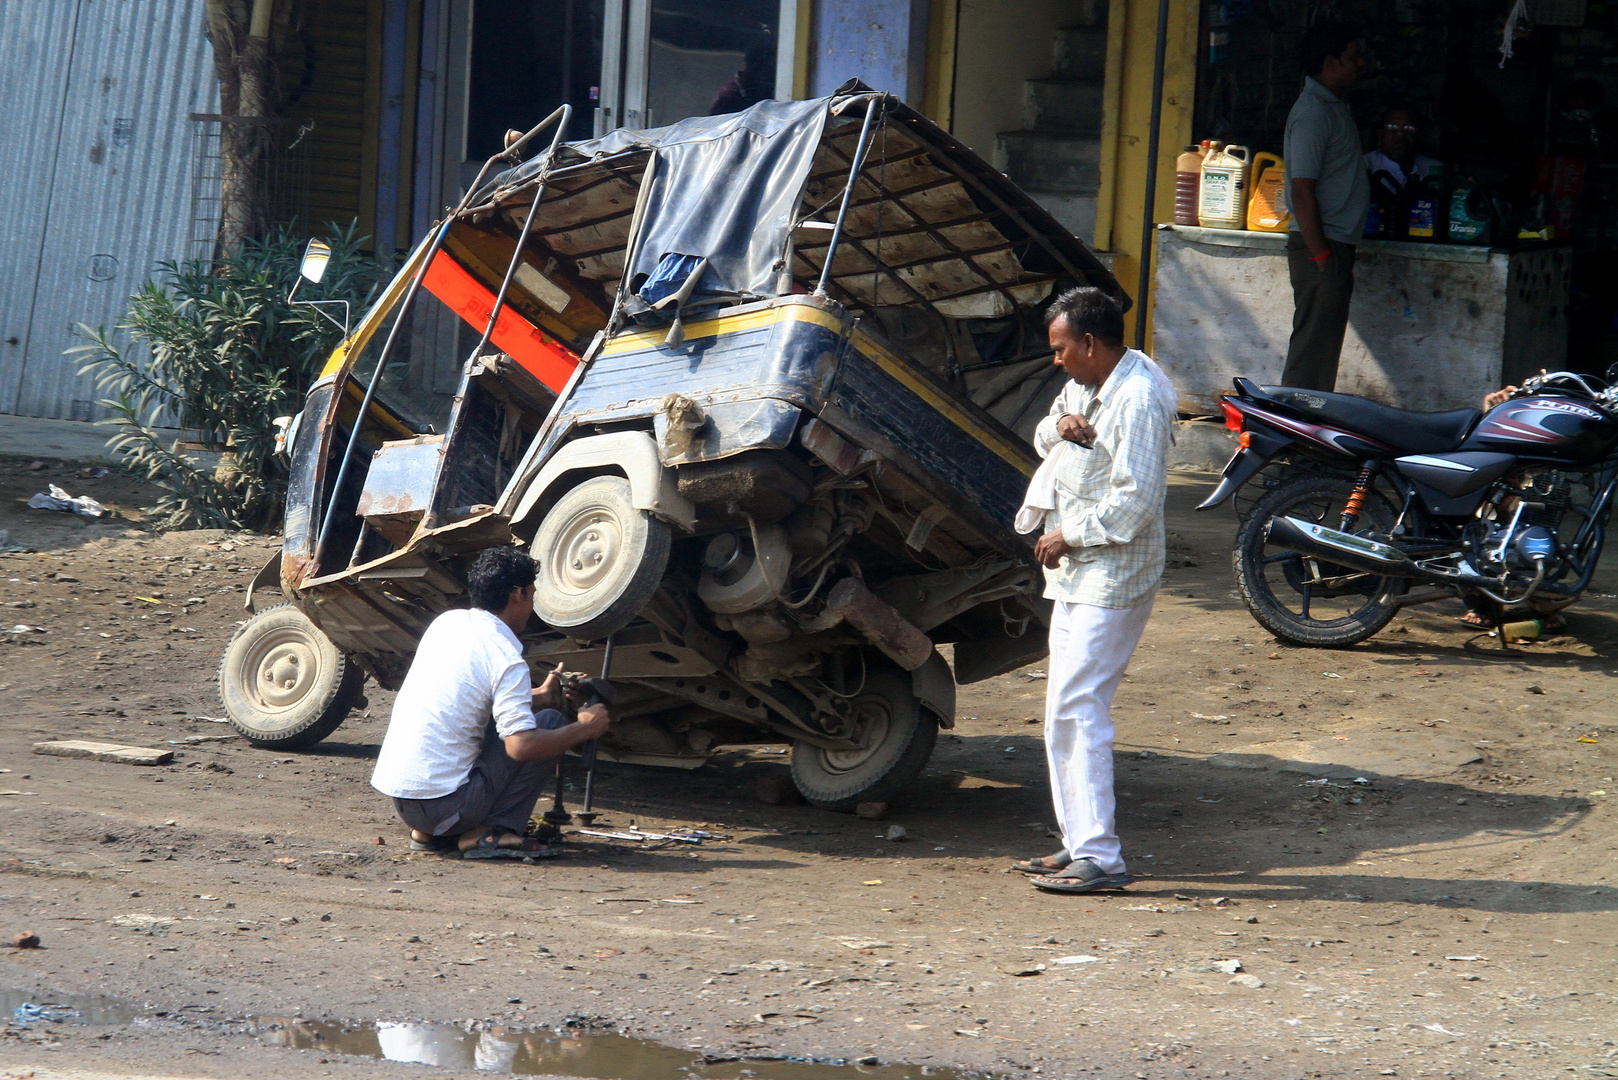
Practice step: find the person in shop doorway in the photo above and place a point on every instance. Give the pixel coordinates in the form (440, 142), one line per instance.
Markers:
(462, 755)
(1097, 501)
(1328, 193)
(1396, 140)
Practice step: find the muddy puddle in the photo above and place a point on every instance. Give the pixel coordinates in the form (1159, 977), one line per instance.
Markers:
(23, 1009)
(513, 1051)
(536, 1051)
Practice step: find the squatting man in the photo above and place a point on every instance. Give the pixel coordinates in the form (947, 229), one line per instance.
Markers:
(1098, 501)
(463, 752)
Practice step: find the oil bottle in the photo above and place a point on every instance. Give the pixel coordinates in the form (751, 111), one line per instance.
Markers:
(1267, 209)
(1187, 183)
(1426, 201)
(1222, 198)
(1469, 216)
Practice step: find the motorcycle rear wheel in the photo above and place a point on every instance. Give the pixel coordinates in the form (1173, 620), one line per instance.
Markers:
(1300, 598)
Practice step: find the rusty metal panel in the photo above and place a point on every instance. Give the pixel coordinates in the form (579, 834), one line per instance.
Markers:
(96, 147)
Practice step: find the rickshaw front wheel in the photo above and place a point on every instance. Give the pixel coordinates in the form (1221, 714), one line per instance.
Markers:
(600, 559)
(283, 683)
(896, 737)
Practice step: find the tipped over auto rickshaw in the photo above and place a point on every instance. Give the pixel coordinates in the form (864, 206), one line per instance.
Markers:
(756, 392)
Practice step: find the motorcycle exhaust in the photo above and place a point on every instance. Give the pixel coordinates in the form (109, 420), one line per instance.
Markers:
(1345, 549)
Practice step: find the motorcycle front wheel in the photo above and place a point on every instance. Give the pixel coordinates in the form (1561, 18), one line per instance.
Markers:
(1304, 599)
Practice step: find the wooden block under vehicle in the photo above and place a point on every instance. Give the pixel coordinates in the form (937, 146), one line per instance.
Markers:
(105, 751)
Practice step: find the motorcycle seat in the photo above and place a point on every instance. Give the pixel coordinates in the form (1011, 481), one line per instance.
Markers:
(1410, 432)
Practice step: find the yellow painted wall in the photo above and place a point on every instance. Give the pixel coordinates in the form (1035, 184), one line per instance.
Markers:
(1132, 30)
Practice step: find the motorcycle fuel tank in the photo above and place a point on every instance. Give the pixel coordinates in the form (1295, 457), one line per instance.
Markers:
(1558, 428)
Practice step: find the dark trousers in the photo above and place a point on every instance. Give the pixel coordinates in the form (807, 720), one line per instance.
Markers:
(1320, 299)
(499, 793)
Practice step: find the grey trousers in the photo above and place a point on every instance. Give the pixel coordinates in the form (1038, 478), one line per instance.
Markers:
(1319, 314)
(499, 793)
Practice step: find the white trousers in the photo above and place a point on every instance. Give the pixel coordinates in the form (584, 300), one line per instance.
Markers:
(1090, 648)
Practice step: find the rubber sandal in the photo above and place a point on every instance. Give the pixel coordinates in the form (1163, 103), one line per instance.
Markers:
(1082, 876)
(488, 847)
(1037, 867)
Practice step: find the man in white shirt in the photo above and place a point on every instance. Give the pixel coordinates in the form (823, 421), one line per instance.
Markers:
(1105, 443)
(1396, 141)
(461, 757)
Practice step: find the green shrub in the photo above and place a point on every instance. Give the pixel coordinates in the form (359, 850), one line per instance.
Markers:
(228, 355)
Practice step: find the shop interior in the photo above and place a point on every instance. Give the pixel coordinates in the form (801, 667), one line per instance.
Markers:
(1527, 150)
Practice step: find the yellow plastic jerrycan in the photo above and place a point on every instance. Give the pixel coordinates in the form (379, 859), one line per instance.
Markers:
(1267, 210)
(1222, 200)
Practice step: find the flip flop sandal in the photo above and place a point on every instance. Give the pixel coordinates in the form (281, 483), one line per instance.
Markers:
(488, 847)
(1038, 867)
(437, 843)
(1082, 876)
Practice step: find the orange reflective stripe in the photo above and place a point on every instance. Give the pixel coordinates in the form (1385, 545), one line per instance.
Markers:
(545, 358)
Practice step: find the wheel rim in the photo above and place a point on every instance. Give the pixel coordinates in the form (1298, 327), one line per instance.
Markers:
(588, 550)
(281, 670)
(1311, 591)
(871, 725)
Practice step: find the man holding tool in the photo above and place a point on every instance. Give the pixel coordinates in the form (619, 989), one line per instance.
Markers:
(1098, 503)
(461, 757)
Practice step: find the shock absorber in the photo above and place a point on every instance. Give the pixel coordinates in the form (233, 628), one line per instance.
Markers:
(1356, 498)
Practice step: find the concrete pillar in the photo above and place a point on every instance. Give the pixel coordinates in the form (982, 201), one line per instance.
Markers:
(881, 42)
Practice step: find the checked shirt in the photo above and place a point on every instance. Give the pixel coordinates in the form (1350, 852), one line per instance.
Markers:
(1109, 498)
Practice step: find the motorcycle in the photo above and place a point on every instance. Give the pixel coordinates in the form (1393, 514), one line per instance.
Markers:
(1362, 509)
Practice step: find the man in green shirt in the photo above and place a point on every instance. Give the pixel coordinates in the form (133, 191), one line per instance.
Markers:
(1328, 193)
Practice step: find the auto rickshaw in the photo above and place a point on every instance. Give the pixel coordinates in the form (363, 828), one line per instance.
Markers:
(756, 390)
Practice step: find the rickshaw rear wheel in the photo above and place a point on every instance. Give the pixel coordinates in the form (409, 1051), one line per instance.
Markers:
(283, 683)
(896, 735)
(599, 559)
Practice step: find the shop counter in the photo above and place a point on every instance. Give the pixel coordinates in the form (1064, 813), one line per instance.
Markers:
(1432, 326)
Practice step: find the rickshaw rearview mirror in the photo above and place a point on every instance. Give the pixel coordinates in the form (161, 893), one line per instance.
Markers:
(315, 258)
(312, 269)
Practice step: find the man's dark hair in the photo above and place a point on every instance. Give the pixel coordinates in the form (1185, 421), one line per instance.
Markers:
(494, 573)
(1329, 38)
(1088, 310)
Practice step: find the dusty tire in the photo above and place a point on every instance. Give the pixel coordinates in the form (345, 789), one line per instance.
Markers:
(902, 735)
(600, 559)
(283, 683)
(1271, 580)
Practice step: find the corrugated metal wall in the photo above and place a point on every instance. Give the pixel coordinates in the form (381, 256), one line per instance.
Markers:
(95, 151)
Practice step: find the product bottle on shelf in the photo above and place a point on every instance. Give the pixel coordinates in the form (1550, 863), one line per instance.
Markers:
(1187, 184)
(1222, 197)
(1267, 209)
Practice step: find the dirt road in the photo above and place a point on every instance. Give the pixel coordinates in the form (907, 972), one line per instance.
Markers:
(1451, 916)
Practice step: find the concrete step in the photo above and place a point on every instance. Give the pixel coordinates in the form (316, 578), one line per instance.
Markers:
(1060, 164)
(1076, 213)
(1080, 53)
(1059, 106)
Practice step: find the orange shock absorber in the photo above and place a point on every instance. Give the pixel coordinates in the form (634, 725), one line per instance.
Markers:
(1356, 498)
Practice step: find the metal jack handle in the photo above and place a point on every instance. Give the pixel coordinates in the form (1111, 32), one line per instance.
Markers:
(587, 816)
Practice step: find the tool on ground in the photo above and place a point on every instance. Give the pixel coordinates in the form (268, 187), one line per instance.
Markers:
(636, 834)
(601, 693)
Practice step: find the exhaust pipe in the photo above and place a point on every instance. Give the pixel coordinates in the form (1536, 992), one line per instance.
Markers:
(1345, 549)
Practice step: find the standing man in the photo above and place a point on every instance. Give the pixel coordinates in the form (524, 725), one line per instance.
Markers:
(461, 757)
(1328, 193)
(1099, 498)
